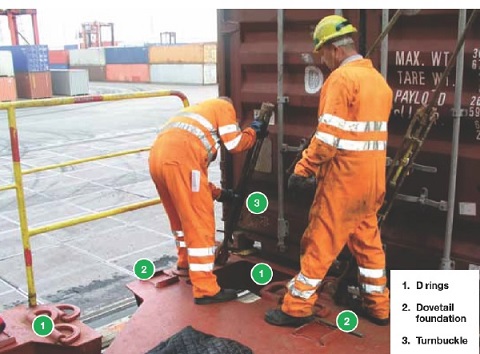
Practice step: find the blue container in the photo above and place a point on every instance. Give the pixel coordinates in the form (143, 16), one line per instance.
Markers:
(126, 55)
(29, 58)
(70, 46)
(58, 66)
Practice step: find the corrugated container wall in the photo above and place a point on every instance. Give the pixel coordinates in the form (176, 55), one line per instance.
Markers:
(95, 73)
(126, 55)
(58, 57)
(128, 72)
(418, 49)
(6, 63)
(197, 74)
(8, 89)
(91, 56)
(69, 82)
(34, 85)
(29, 58)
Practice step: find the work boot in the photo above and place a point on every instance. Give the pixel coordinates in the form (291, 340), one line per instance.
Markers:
(222, 296)
(181, 271)
(277, 317)
(376, 320)
(363, 312)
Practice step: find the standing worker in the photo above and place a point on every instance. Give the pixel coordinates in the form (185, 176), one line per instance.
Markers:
(178, 162)
(347, 156)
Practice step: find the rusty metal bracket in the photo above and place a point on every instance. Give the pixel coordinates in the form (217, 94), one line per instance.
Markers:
(300, 147)
(423, 200)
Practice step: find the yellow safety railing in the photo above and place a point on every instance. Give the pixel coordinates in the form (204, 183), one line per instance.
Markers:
(18, 173)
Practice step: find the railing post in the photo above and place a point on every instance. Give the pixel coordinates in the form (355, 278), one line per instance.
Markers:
(22, 212)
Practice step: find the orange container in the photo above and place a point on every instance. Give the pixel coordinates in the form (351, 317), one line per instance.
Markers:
(177, 54)
(128, 72)
(34, 84)
(8, 89)
(58, 56)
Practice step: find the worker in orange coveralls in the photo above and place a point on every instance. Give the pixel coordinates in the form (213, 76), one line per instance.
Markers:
(347, 157)
(178, 162)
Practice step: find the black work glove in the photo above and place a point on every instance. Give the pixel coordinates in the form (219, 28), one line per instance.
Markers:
(297, 183)
(260, 128)
(228, 195)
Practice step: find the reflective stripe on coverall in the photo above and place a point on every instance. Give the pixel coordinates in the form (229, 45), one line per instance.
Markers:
(348, 157)
(178, 162)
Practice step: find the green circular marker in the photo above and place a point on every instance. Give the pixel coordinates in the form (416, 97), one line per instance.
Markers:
(347, 321)
(261, 274)
(257, 202)
(43, 326)
(144, 269)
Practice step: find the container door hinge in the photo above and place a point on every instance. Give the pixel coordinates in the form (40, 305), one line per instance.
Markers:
(229, 27)
(423, 200)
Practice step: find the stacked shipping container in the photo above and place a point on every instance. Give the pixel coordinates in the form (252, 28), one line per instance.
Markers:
(8, 87)
(92, 59)
(26, 68)
(58, 59)
(193, 63)
(128, 64)
(184, 64)
(32, 73)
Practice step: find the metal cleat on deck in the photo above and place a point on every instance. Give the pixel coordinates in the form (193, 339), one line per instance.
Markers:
(67, 334)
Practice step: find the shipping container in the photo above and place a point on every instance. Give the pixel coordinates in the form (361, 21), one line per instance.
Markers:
(70, 46)
(58, 66)
(128, 72)
(8, 89)
(58, 57)
(83, 57)
(95, 73)
(210, 53)
(29, 58)
(70, 82)
(126, 55)
(193, 53)
(195, 74)
(419, 47)
(6, 63)
(34, 84)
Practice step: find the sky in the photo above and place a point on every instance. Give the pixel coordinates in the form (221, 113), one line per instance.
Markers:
(140, 21)
(59, 26)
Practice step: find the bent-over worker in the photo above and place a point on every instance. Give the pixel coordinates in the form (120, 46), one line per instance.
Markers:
(178, 163)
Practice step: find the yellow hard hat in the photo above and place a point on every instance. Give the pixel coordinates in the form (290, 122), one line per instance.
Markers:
(331, 27)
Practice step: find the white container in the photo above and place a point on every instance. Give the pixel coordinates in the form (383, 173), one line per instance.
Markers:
(196, 74)
(90, 56)
(6, 63)
(69, 82)
(209, 74)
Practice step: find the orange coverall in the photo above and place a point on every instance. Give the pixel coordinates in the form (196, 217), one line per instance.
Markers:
(178, 163)
(348, 158)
